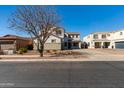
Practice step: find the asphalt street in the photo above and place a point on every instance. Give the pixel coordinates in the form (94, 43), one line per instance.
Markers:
(62, 74)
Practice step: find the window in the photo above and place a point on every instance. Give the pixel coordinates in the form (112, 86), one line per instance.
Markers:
(121, 33)
(69, 36)
(58, 32)
(76, 36)
(95, 36)
(103, 36)
(6, 42)
(53, 41)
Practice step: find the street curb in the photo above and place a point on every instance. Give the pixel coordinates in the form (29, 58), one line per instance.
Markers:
(37, 60)
(57, 60)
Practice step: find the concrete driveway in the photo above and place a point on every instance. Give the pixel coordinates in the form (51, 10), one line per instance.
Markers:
(104, 54)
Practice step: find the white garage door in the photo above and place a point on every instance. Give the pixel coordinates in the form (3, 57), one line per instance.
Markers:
(119, 45)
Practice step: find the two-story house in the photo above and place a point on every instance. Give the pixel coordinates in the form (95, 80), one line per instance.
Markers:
(114, 39)
(74, 40)
(61, 40)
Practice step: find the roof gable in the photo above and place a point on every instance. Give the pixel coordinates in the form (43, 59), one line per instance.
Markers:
(14, 37)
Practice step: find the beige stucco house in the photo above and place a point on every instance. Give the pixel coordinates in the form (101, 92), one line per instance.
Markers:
(114, 39)
(61, 40)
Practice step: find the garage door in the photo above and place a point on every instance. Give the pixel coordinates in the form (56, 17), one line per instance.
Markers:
(119, 45)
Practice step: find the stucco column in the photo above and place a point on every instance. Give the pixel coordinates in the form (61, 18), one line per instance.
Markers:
(92, 45)
(112, 44)
(102, 45)
(79, 44)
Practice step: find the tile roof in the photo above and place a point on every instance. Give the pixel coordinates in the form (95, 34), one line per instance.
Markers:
(13, 37)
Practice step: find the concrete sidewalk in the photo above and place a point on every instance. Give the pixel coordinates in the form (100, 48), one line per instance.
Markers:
(87, 55)
(62, 59)
(34, 58)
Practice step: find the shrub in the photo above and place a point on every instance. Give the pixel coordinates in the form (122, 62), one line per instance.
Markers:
(68, 53)
(22, 50)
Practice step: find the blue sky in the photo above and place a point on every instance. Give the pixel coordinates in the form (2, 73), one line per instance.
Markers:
(84, 19)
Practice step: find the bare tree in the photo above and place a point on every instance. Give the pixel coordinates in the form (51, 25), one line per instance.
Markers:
(38, 21)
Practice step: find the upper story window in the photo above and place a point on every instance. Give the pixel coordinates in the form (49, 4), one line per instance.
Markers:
(76, 36)
(103, 36)
(53, 41)
(121, 33)
(59, 32)
(72, 36)
(95, 36)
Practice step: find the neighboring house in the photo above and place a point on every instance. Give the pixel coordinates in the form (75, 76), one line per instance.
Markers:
(61, 40)
(114, 39)
(13, 42)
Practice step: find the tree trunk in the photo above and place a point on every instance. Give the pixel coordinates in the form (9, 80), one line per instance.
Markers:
(41, 50)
